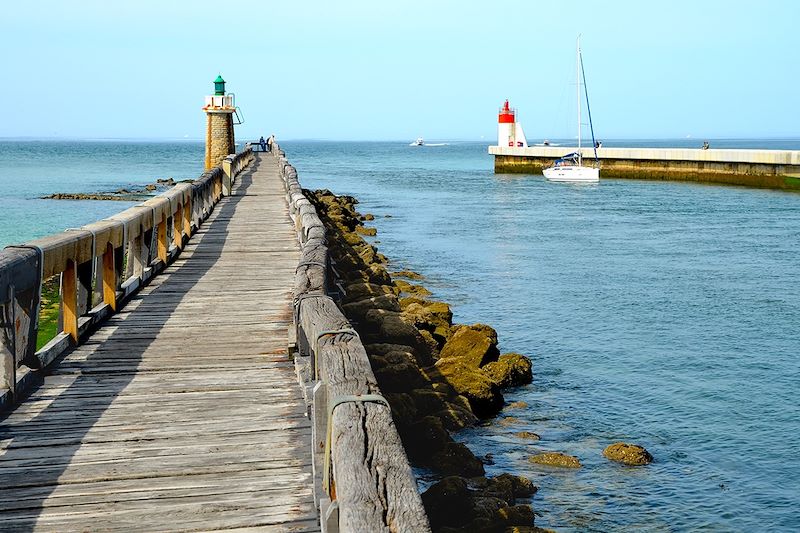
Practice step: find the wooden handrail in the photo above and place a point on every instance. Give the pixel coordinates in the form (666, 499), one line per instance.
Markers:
(100, 265)
(370, 485)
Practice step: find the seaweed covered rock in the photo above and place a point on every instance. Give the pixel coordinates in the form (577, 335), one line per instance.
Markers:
(448, 502)
(628, 454)
(410, 288)
(510, 370)
(482, 392)
(456, 459)
(476, 345)
(557, 459)
(360, 290)
(358, 309)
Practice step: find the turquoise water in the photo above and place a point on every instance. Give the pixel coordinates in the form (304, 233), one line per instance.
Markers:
(31, 169)
(655, 312)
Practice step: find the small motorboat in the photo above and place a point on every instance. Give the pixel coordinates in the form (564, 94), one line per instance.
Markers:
(418, 142)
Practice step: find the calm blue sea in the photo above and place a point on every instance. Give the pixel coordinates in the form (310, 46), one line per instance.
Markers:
(660, 313)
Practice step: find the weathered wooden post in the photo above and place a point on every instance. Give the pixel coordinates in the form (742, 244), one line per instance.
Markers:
(227, 178)
(69, 300)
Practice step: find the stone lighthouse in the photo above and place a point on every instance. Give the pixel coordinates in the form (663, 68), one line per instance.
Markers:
(219, 110)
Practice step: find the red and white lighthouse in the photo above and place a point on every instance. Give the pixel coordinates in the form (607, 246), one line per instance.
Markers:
(509, 131)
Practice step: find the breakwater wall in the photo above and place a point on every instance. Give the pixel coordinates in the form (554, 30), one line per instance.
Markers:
(774, 169)
(362, 477)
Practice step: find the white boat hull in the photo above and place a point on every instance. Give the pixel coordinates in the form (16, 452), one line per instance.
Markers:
(572, 174)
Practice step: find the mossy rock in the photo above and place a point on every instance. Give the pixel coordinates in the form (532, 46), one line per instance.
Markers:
(448, 502)
(360, 290)
(410, 288)
(359, 309)
(456, 459)
(408, 274)
(363, 230)
(628, 454)
(400, 378)
(368, 216)
(482, 392)
(427, 400)
(556, 459)
(517, 405)
(404, 410)
(455, 417)
(475, 345)
(527, 435)
(424, 437)
(521, 487)
(510, 370)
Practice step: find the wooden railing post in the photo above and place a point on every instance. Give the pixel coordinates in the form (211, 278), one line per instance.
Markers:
(228, 175)
(163, 247)
(187, 218)
(109, 278)
(69, 300)
(177, 227)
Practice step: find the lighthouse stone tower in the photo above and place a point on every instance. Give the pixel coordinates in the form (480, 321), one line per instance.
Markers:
(219, 110)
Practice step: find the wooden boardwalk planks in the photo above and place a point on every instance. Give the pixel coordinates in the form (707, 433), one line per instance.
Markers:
(183, 411)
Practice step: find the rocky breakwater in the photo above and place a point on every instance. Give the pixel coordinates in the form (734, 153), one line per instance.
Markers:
(439, 377)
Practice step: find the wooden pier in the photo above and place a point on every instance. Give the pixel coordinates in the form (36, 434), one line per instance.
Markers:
(182, 410)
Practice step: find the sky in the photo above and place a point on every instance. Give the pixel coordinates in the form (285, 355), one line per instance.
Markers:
(397, 70)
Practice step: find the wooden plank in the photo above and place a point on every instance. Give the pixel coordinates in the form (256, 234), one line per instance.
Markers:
(183, 408)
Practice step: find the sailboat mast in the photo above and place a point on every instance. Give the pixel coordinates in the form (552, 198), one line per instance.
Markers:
(578, 92)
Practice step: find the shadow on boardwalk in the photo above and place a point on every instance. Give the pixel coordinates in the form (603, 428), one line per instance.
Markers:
(114, 436)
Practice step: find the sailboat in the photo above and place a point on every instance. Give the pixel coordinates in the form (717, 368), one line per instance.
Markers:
(570, 167)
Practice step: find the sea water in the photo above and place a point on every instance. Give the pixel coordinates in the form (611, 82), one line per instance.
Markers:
(659, 313)
(30, 169)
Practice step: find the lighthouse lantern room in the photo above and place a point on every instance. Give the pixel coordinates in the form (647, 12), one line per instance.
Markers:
(509, 131)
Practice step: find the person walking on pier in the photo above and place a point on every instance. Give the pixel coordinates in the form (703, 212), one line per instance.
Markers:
(263, 144)
(270, 142)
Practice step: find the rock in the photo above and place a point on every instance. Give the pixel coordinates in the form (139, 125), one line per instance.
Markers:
(527, 435)
(428, 401)
(556, 459)
(628, 454)
(408, 274)
(517, 405)
(521, 487)
(457, 459)
(514, 515)
(369, 216)
(475, 345)
(360, 290)
(400, 378)
(363, 230)
(150, 187)
(410, 288)
(486, 506)
(404, 411)
(448, 502)
(425, 437)
(359, 309)
(387, 326)
(455, 417)
(430, 342)
(508, 421)
(383, 348)
(483, 394)
(510, 370)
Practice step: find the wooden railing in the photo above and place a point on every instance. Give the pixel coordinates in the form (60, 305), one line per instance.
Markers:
(100, 266)
(363, 481)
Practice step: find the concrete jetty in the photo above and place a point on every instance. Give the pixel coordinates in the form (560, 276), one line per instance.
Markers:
(776, 169)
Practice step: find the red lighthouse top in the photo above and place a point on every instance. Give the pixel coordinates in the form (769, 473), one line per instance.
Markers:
(506, 114)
